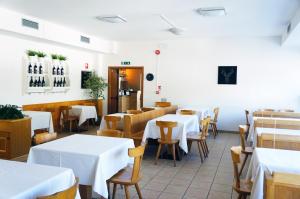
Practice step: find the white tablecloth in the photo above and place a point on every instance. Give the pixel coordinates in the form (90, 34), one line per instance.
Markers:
(200, 112)
(120, 124)
(270, 160)
(40, 120)
(94, 159)
(186, 124)
(21, 180)
(260, 130)
(84, 113)
(252, 130)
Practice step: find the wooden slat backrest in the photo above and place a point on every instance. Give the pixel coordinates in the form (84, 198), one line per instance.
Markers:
(65, 112)
(282, 185)
(216, 114)
(276, 114)
(162, 104)
(278, 141)
(110, 133)
(112, 121)
(247, 117)
(137, 153)
(277, 123)
(235, 155)
(187, 112)
(205, 126)
(243, 129)
(166, 136)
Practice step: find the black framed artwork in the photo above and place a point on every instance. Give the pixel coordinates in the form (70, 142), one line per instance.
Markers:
(227, 74)
(85, 75)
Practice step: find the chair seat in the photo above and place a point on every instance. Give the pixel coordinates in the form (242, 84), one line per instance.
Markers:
(194, 136)
(123, 177)
(245, 187)
(248, 150)
(168, 142)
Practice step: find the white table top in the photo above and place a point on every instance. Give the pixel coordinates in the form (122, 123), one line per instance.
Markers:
(21, 180)
(270, 160)
(94, 159)
(84, 113)
(40, 120)
(186, 124)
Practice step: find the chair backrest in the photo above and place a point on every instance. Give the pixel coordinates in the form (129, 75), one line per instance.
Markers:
(166, 125)
(145, 109)
(187, 112)
(137, 153)
(110, 133)
(69, 193)
(247, 117)
(286, 110)
(134, 111)
(279, 141)
(204, 127)
(65, 111)
(235, 155)
(243, 129)
(216, 114)
(112, 121)
(44, 137)
(162, 104)
(282, 185)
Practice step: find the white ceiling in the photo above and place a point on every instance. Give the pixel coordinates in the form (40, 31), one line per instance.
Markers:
(244, 17)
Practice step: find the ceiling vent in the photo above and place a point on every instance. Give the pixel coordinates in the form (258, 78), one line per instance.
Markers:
(211, 11)
(30, 24)
(112, 19)
(174, 29)
(85, 39)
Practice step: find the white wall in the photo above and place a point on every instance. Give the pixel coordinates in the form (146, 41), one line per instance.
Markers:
(268, 74)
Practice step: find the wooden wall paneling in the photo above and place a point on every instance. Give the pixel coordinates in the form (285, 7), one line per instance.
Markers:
(276, 114)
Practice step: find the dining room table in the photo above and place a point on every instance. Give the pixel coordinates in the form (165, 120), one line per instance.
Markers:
(266, 161)
(201, 112)
(20, 180)
(40, 120)
(84, 113)
(185, 124)
(120, 124)
(94, 159)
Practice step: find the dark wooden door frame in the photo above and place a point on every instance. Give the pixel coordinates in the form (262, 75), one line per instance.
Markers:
(109, 82)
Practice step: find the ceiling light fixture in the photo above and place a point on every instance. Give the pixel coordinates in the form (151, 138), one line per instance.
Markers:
(112, 19)
(174, 29)
(211, 11)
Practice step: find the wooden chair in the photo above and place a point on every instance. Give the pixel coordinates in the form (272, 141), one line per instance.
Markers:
(112, 121)
(145, 109)
(64, 110)
(187, 112)
(286, 110)
(134, 111)
(44, 137)
(213, 123)
(245, 149)
(162, 104)
(110, 133)
(242, 187)
(247, 113)
(130, 175)
(166, 138)
(282, 185)
(200, 138)
(69, 193)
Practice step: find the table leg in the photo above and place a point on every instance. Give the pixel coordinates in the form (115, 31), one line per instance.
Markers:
(85, 191)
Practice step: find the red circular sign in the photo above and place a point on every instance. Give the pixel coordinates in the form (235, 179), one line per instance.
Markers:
(157, 52)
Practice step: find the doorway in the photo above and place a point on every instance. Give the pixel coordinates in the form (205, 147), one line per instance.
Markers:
(125, 88)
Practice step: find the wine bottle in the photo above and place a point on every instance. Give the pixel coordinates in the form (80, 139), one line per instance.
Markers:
(29, 68)
(35, 83)
(53, 70)
(54, 83)
(43, 82)
(41, 69)
(62, 71)
(64, 82)
(39, 83)
(35, 69)
(57, 70)
(31, 82)
(59, 83)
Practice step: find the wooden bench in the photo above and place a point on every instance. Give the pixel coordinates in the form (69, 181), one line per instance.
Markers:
(278, 141)
(276, 114)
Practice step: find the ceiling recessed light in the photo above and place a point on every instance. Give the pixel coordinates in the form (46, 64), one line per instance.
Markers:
(112, 19)
(211, 11)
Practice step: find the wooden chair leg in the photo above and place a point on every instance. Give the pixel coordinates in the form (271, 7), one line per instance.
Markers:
(174, 154)
(127, 192)
(203, 149)
(70, 128)
(108, 189)
(217, 132)
(206, 146)
(243, 165)
(138, 190)
(200, 153)
(177, 147)
(240, 196)
(189, 142)
(213, 130)
(114, 191)
(158, 153)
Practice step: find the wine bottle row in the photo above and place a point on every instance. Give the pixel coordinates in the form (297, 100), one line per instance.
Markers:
(37, 82)
(35, 69)
(59, 82)
(58, 70)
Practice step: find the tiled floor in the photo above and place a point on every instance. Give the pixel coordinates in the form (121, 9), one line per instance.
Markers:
(189, 179)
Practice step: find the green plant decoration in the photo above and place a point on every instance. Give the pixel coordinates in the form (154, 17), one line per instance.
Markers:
(62, 58)
(96, 86)
(54, 56)
(10, 112)
(41, 54)
(31, 53)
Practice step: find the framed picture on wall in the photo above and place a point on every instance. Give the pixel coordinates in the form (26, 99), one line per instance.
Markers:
(227, 74)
